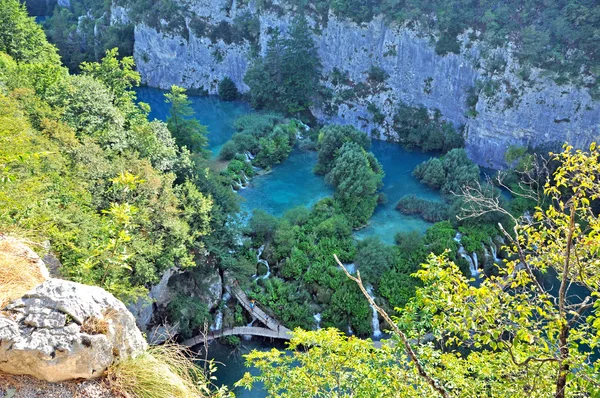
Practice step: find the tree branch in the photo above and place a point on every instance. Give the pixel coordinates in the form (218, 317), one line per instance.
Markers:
(409, 351)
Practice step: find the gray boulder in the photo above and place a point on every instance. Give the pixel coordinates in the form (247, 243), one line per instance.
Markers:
(63, 330)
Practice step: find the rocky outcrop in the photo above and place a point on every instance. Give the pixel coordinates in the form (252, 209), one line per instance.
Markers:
(530, 113)
(62, 330)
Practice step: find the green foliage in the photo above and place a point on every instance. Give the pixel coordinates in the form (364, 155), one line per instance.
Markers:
(187, 132)
(21, 37)
(430, 210)
(82, 168)
(189, 313)
(118, 76)
(288, 300)
(450, 173)
(356, 177)
(373, 259)
(83, 33)
(416, 128)
(376, 74)
(287, 78)
(327, 363)
(267, 137)
(227, 89)
(498, 338)
(331, 139)
(263, 226)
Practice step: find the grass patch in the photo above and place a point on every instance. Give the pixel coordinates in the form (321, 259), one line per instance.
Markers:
(18, 273)
(162, 371)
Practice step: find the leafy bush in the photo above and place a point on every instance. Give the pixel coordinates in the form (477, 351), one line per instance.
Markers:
(377, 74)
(450, 173)
(430, 210)
(416, 128)
(187, 312)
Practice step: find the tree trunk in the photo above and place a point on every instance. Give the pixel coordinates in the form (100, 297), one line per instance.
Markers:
(563, 365)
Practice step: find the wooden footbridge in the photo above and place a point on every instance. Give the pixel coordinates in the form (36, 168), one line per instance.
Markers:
(272, 329)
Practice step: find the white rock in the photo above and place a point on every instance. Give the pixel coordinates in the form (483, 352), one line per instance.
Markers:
(41, 333)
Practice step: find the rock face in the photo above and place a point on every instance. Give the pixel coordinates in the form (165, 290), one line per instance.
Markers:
(530, 113)
(63, 330)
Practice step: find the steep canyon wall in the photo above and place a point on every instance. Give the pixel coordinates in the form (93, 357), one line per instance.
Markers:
(532, 112)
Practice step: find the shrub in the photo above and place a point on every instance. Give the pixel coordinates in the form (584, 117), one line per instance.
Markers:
(228, 90)
(429, 210)
(162, 371)
(377, 74)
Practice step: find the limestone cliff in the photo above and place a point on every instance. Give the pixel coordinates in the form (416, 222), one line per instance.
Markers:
(61, 330)
(513, 110)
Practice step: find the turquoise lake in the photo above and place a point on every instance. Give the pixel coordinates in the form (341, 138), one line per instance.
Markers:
(292, 184)
(217, 115)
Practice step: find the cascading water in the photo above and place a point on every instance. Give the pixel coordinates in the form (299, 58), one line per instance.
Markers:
(375, 317)
(475, 264)
(317, 318)
(264, 262)
(472, 267)
(351, 268)
(249, 156)
(248, 337)
(494, 251)
(218, 321)
(463, 253)
(486, 253)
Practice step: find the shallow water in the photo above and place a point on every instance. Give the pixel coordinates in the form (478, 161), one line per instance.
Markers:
(398, 165)
(290, 184)
(293, 183)
(217, 115)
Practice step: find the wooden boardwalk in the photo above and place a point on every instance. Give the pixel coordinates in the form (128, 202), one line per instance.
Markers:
(273, 329)
(237, 331)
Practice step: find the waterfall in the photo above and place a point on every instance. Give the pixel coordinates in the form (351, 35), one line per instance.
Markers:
(248, 336)
(233, 189)
(246, 179)
(458, 237)
(472, 266)
(317, 318)
(494, 251)
(239, 184)
(249, 156)
(375, 317)
(486, 253)
(475, 262)
(218, 321)
(261, 261)
(350, 331)
(351, 268)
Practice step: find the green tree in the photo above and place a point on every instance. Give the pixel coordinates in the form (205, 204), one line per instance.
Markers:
(356, 183)
(117, 75)
(287, 78)
(331, 138)
(228, 90)
(187, 132)
(21, 37)
(513, 335)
